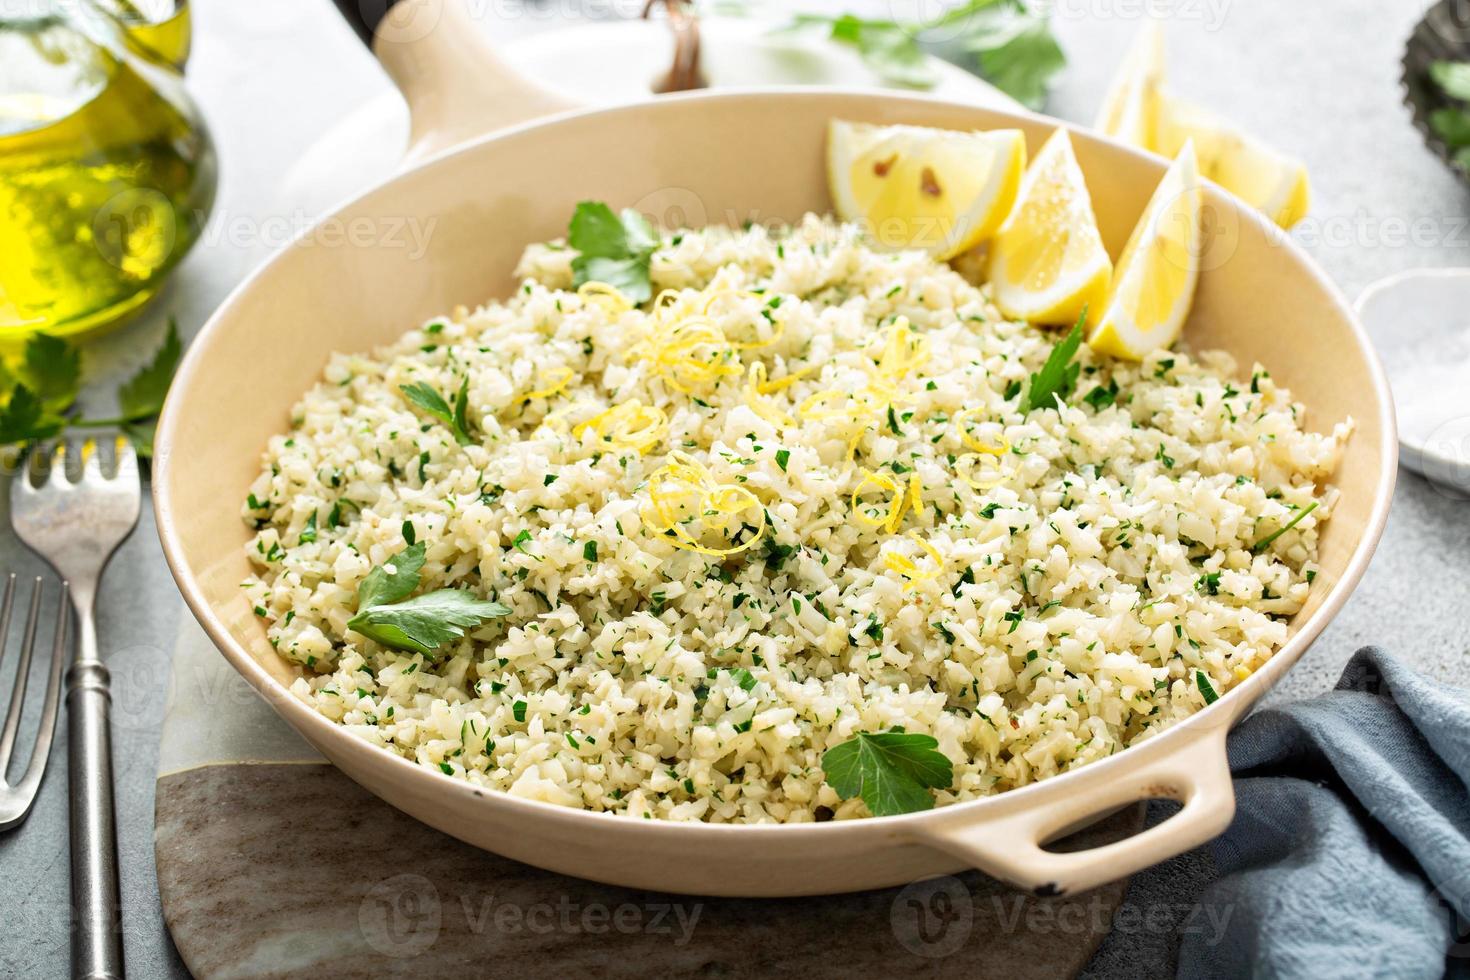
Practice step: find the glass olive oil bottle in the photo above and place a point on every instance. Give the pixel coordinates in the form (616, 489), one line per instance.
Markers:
(162, 26)
(107, 173)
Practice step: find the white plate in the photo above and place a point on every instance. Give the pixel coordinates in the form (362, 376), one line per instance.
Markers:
(602, 63)
(1420, 323)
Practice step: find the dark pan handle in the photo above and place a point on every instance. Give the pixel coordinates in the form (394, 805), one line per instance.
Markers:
(457, 86)
(364, 16)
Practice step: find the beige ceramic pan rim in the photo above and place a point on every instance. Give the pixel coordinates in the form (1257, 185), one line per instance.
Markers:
(1001, 835)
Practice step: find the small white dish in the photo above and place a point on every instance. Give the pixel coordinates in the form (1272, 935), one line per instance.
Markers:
(1419, 322)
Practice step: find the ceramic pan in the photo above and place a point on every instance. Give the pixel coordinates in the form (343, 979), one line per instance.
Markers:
(723, 156)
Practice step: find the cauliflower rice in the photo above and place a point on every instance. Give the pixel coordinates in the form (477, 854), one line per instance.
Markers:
(689, 633)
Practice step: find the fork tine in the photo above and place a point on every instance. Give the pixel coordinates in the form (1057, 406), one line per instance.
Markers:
(22, 674)
(127, 460)
(5, 619)
(38, 467)
(91, 452)
(46, 731)
(50, 466)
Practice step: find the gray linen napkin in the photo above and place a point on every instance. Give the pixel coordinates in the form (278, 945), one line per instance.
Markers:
(1349, 855)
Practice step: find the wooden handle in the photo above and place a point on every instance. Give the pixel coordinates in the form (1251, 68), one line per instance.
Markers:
(456, 85)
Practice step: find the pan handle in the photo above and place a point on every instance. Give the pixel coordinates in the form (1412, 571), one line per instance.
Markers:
(456, 85)
(1011, 847)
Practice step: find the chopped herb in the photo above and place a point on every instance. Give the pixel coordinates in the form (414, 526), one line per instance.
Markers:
(308, 532)
(783, 456)
(589, 551)
(1058, 376)
(1265, 542)
(518, 710)
(1103, 396)
(967, 577)
(1205, 687)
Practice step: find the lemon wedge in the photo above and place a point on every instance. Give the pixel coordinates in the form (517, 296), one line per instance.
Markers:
(1140, 110)
(1048, 262)
(1153, 288)
(1271, 182)
(914, 187)
(1130, 110)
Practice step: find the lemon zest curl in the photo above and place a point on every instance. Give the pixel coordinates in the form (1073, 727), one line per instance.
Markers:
(684, 489)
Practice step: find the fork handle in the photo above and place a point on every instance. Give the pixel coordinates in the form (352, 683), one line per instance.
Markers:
(97, 952)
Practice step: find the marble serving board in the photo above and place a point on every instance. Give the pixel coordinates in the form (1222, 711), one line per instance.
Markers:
(272, 863)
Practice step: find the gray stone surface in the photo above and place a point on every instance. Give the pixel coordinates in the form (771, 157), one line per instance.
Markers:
(1316, 77)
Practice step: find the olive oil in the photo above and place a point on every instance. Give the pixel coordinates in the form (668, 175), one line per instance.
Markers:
(106, 172)
(162, 26)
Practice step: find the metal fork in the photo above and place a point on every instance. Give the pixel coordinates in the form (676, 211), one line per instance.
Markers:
(16, 800)
(76, 527)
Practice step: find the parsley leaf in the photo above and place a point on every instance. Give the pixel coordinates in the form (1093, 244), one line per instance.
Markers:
(26, 419)
(427, 622)
(424, 623)
(1206, 689)
(393, 581)
(1453, 78)
(143, 394)
(1004, 41)
(888, 48)
(1058, 376)
(892, 772)
(48, 380)
(433, 404)
(52, 370)
(1452, 123)
(1015, 50)
(613, 249)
